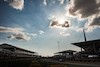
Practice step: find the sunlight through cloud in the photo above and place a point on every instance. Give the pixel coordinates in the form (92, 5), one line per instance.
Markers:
(61, 21)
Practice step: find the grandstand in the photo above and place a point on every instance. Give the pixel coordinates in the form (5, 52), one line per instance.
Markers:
(89, 49)
(12, 52)
(67, 54)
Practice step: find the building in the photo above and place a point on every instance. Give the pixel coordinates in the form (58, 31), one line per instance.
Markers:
(9, 51)
(67, 54)
(89, 48)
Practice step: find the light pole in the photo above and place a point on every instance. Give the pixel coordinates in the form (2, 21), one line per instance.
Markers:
(58, 46)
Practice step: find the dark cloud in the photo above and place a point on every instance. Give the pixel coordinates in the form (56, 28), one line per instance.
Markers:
(11, 37)
(66, 24)
(84, 7)
(55, 23)
(89, 9)
(95, 22)
(19, 37)
(17, 33)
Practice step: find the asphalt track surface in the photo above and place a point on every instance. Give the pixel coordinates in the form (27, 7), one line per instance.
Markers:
(76, 63)
(42, 63)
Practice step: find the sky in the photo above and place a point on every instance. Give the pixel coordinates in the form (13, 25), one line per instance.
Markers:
(40, 25)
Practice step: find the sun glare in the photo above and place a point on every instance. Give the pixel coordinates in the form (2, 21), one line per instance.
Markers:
(61, 21)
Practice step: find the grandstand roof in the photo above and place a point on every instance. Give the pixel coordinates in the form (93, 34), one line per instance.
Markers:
(11, 46)
(92, 46)
(66, 51)
(88, 43)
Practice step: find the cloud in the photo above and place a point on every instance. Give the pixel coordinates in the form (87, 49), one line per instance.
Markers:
(44, 2)
(11, 37)
(41, 32)
(19, 37)
(79, 29)
(93, 23)
(10, 30)
(54, 23)
(89, 9)
(17, 4)
(61, 1)
(84, 8)
(32, 34)
(90, 29)
(64, 34)
(17, 33)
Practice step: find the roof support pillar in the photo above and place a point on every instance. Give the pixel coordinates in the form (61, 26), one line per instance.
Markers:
(84, 35)
(81, 49)
(94, 47)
